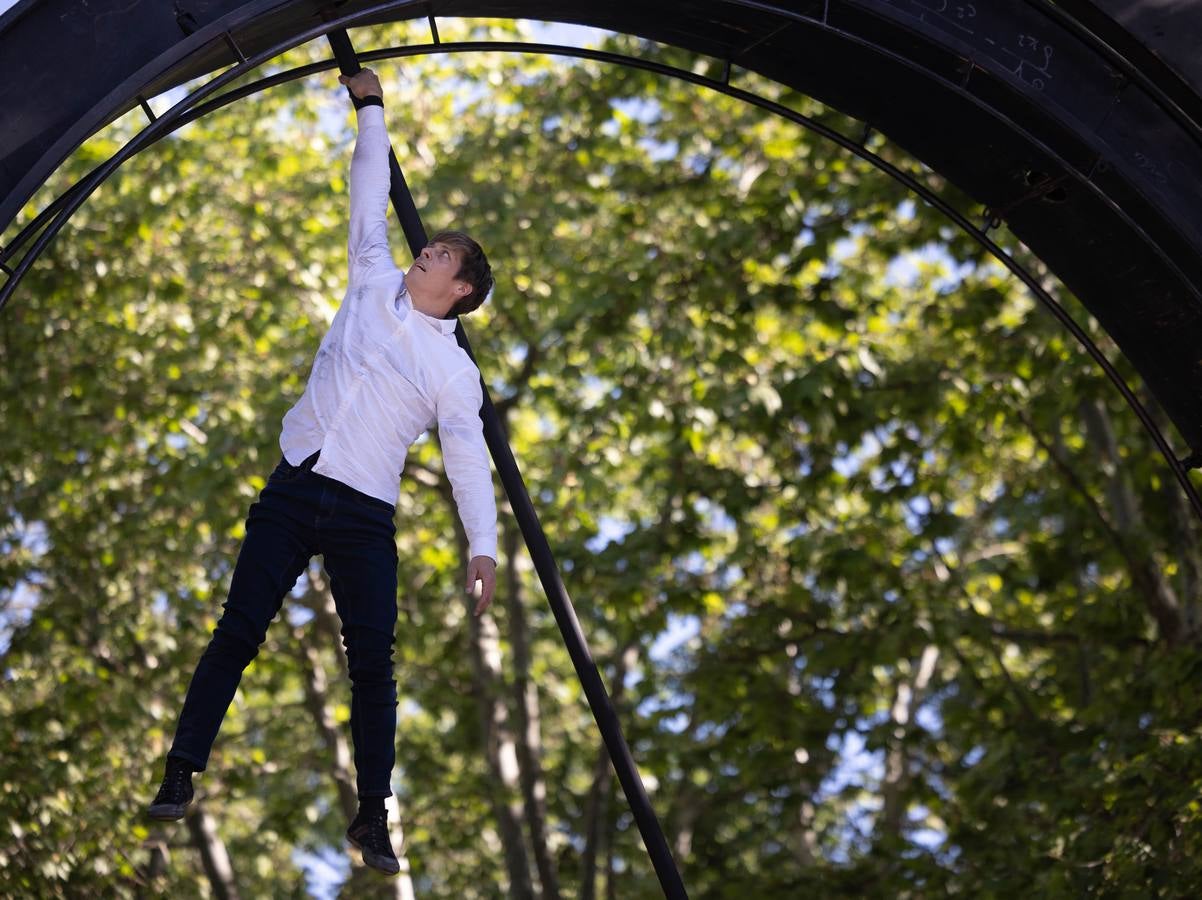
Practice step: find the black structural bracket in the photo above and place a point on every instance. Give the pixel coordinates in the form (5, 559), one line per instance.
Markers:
(536, 542)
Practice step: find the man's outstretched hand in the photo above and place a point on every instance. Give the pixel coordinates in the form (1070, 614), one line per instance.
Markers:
(363, 83)
(484, 570)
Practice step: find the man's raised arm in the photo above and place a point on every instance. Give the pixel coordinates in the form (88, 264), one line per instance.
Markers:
(368, 253)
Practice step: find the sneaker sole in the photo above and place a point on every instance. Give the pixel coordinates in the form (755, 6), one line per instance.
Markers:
(167, 812)
(375, 860)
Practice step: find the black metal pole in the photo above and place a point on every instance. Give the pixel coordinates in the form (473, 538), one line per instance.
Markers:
(540, 550)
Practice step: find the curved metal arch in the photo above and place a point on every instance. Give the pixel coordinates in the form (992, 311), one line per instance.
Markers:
(1057, 13)
(1105, 104)
(154, 131)
(1082, 179)
(186, 111)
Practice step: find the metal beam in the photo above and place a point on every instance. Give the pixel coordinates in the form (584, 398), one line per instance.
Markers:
(540, 549)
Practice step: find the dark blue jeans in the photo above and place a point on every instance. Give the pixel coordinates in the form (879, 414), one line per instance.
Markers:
(300, 514)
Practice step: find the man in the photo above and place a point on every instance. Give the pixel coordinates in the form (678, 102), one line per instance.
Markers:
(388, 368)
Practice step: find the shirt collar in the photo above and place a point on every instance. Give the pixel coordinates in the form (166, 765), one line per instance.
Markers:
(446, 326)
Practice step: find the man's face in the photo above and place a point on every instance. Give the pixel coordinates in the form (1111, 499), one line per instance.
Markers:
(433, 273)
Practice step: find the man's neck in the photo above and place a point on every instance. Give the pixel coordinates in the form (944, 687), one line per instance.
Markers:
(430, 308)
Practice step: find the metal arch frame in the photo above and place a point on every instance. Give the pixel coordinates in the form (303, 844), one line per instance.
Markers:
(1066, 20)
(1084, 180)
(333, 28)
(790, 17)
(184, 112)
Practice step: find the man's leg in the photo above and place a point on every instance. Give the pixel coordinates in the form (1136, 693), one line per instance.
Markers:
(276, 549)
(359, 550)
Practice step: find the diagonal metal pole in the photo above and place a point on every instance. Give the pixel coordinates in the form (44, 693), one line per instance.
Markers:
(540, 550)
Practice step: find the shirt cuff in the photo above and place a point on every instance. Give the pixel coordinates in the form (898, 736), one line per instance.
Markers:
(483, 546)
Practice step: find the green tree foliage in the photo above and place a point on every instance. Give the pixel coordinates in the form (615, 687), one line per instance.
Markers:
(940, 597)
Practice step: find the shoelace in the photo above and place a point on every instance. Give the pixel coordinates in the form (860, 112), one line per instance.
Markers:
(376, 835)
(175, 783)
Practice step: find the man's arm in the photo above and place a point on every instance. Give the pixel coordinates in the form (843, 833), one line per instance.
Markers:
(465, 458)
(368, 252)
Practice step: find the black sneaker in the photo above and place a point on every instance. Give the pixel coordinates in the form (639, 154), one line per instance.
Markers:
(370, 834)
(175, 793)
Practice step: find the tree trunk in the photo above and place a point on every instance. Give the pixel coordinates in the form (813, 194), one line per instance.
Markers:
(1175, 623)
(596, 816)
(805, 841)
(1184, 532)
(529, 746)
(319, 599)
(213, 855)
(500, 745)
(1146, 574)
(688, 807)
(910, 691)
(156, 865)
(611, 828)
(317, 703)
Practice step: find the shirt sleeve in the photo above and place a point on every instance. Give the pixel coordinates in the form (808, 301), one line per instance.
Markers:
(368, 252)
(465, 458)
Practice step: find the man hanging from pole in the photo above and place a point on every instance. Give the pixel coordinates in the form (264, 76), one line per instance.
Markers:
(387, 369)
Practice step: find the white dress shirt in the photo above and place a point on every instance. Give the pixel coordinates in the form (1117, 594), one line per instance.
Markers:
(386, 372)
